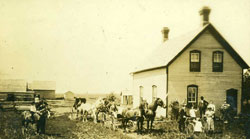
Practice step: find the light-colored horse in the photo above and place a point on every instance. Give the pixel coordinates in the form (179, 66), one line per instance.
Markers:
(84, 110)
(100, 107)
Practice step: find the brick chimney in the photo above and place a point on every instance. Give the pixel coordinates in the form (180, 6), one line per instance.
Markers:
(204, 13)
(165, 32)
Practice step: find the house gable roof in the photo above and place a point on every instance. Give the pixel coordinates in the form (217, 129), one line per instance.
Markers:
(165, 55)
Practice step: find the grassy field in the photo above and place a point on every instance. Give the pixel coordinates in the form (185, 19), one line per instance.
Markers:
(59, 126)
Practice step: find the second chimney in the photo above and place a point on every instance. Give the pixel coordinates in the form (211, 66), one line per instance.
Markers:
(165, 32)
(204, 12)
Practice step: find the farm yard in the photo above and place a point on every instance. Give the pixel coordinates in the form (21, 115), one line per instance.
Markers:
(60, 126)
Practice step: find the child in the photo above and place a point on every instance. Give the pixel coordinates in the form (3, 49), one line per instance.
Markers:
(198, 128)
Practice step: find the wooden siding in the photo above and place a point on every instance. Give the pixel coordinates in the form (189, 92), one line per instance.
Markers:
(212, 85)
(147, 80)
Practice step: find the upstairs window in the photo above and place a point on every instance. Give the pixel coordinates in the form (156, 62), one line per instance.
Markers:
(192, 95)
(195, 61)
(217, 61)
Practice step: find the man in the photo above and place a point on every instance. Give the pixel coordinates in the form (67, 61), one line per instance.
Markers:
(182, 119)
(225, 110)
(202, 106)
(43, 112)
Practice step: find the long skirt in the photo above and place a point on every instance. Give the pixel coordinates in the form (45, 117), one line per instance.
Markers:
(210, 124)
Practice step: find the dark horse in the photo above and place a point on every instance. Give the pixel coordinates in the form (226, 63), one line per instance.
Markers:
(150, 112)
(135, 114)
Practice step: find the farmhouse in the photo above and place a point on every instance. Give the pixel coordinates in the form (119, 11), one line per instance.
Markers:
(200, 63)
(46, 89)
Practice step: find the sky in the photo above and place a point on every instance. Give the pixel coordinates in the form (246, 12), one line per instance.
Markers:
(92, 45)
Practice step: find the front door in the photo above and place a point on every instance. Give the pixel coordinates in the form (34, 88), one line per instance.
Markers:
(232, 98)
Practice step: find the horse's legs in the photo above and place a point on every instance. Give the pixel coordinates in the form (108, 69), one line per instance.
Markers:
(152, 120)
(138, 126)
(77, 112)
(124, 124)
(96, 114)
(142, 120)
(148, 123)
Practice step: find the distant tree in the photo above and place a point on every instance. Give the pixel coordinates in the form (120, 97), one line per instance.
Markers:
(111, 97)
(246, 84)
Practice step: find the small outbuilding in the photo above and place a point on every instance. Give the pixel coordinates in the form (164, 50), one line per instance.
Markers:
(69, 95)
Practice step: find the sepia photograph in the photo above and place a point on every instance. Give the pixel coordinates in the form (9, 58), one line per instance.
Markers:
(124, 69)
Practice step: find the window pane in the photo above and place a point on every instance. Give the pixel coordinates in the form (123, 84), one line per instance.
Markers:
(217, 57)
(195, 61)
(192, 93)
(194, 57)
(218, 62)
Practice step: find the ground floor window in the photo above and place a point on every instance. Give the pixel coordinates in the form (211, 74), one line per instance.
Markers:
(154, 93)
(127, 100)
(192, 95)
(141, 93)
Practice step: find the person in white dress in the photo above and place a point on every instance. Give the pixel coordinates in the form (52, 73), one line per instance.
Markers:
(198, 128)
(210, 121)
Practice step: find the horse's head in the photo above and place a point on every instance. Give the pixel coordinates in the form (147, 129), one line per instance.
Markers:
(76, 102)
(83, 100)
(159, 102)
(113, 107)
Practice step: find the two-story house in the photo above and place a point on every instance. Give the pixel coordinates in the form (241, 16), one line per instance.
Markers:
(200, 63)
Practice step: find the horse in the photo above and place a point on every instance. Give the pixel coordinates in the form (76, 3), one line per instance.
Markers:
(84, 110)
(135, 114)
(150, 112)
(100, 107)
(77, 103)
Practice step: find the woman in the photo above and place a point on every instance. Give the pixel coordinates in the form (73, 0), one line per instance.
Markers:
(210, 121)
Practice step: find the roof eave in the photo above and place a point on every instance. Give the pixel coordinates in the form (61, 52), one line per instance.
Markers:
(149, 69)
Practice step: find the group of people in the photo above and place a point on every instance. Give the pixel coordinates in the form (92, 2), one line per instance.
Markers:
(188, 115)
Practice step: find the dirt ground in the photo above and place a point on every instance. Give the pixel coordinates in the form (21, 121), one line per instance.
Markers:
(60, 126)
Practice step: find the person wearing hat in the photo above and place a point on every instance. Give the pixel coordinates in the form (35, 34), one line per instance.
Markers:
(211, 105)
(43, 111)
(210, 121)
